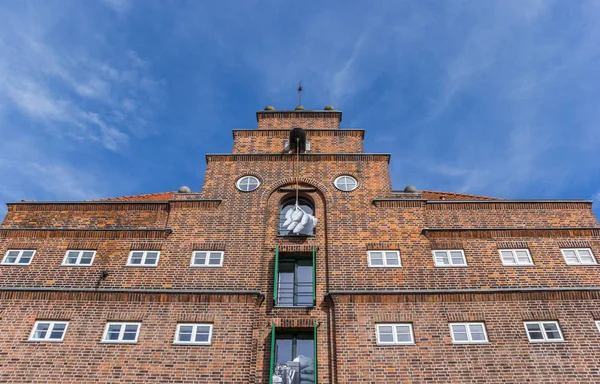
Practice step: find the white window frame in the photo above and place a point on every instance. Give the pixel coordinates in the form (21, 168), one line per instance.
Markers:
(383, 255)
(597, 324)
(120, 340)
(238, 183)
(19, 256)
(142, 264)
(513, 253)
(447, 251)
(395, 334)
(576, 250)
(335, 183)
(467, 326)
(79, 257)
(541, 325)
(47, 338)
(207, 259)
(194, 332)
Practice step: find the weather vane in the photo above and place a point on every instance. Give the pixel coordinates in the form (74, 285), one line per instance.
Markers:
(300, 92)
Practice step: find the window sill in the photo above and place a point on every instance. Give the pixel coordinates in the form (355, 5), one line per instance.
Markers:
(44, 341)
(192, 344)
(294, 307)
(295, 236)
(395, 345)
(140, 266)
(471, 343)
(547, 341)
(118, 342)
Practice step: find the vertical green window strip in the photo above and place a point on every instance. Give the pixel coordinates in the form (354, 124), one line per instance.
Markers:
(272, 352)
(314, 268)
(315, 344)
(276, 275)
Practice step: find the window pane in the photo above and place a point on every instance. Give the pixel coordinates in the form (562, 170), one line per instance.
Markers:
(552, 332)
(391, 258)
(457, 258)
(460, 336)
(386, 333)
(72, 257)
(41, 330)
(13, 253)
(536, 336)
(11, 259)
(201, 337)
(136, 258)
(185, 333)
(25, 260)
(284, 350)
(403, 333)
(56, 333)
(376, 258)
(215, 259)
(200, 258)
(27, 253)
(586, 256)
(306, 348)
(535, 332)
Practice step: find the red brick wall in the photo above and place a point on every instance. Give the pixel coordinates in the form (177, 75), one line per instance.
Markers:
(322, 141)
(109, 215)
(508, 358)
(299, 119)
(82, 358)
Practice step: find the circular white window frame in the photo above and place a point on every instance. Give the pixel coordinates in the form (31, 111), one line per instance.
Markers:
(238, 183)
(335, 183)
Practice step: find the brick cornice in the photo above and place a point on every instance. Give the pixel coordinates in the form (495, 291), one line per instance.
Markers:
(466, 295)
(87, 233)
(298, 114)
(303, 157)
(129, 295)
(398, 203)
(506, 204)
(87, 206)
(493, 233)
(313, 132)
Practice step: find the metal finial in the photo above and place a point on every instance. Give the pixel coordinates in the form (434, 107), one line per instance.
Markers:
(300, 92)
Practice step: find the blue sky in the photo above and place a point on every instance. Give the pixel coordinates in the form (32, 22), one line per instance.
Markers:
(117, 97)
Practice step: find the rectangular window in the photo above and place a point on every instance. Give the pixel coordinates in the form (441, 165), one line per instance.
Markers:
(384, 258)
(295, 282)
(543, 331)
(207, 259)
(121, 332)
(578, 256)
(449, 258)
(598, 324)
(194, 334)
(294, 358)
(53, 331)
(395, 334)
(512, 257)
(143, 258)
(468, 333)
(18, 257)
(79, 258)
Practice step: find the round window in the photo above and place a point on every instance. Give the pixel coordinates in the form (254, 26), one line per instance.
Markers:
(247, 183)
(346, 183)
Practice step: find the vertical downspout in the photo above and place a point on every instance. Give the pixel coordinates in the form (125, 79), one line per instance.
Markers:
(315, 344)
(272, 352)
(276, 275)
(314, 271)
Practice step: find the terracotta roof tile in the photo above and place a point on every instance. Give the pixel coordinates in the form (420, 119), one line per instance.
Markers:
(160, 196)
(436, 195)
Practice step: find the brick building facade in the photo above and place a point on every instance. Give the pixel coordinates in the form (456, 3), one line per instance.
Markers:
(210, 287)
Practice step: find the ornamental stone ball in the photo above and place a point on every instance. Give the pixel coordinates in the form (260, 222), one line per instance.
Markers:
(184, 189)
(269, 108)
(299, 108)
(410, 189)
(329, 108)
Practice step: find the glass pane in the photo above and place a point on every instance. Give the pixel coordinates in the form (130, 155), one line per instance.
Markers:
(536, 336)
(184, 337)
(136, 258)
(403, 333)
(13, 253)
(56, 334)
(284, 350)
(24, 260)
(11, 259)
(113, 332)
(304, 282)
(457, 258)
(507, 257)
(72, 257)
(285, 292)
(459, 336)
(215, 259)
(41, 330)
(306, 348)
(201, 337)
(441, 258)
(151, 258)
(386, 333)
(553, 335)
(552, 332)
(586, 256)
(199, 258)
(391, 258)
(27, 253)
